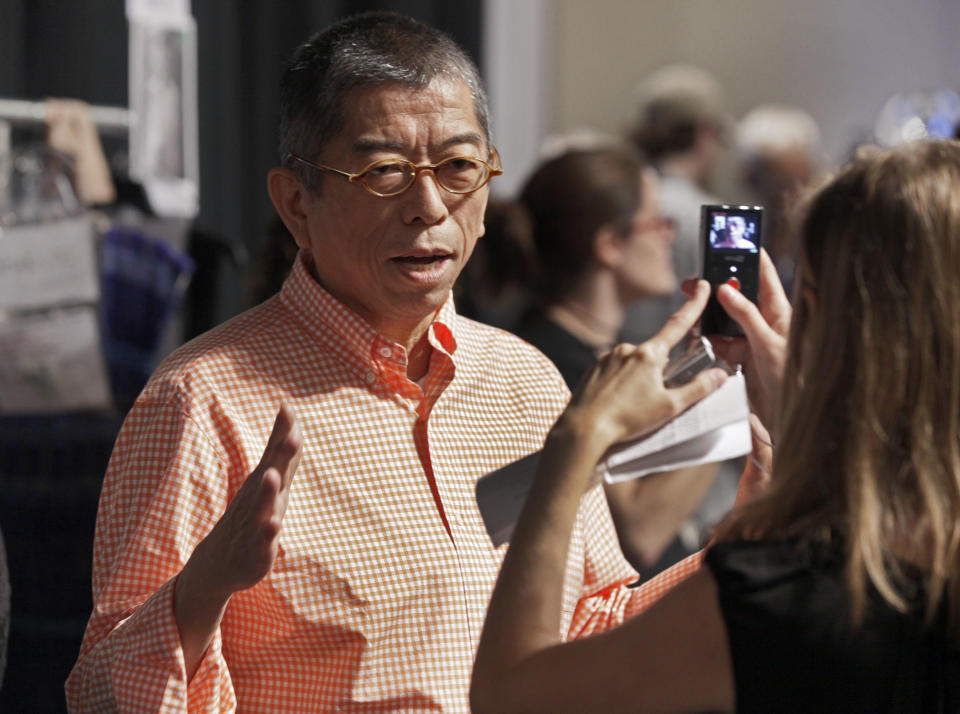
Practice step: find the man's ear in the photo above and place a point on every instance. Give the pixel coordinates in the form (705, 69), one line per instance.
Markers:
(289, 198)
(608, 247)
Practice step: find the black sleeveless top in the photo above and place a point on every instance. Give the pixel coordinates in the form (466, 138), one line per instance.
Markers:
(786, 611)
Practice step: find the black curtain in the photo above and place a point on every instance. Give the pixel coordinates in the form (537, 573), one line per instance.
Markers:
(57, 49)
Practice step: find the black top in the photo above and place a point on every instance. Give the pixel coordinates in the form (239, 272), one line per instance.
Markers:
(786, 611)
(572, 357)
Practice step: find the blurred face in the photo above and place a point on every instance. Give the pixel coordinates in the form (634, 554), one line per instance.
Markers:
(735, 227)
(646, 267)
(393, 260)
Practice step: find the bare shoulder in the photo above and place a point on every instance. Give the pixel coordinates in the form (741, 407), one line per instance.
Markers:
(672, 657)
(682, 644)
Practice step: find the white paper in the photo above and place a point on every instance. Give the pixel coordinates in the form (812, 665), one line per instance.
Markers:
(52, 362)
(726, 442)
(45, 264)
(727, 405)
(715, 429)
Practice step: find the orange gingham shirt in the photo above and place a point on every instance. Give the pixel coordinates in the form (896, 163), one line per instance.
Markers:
(377, 597)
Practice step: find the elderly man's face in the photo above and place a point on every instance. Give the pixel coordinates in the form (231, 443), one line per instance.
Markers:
(393, 260)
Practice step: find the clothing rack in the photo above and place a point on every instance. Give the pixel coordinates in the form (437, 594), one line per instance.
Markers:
(21, 112)
(113, 121)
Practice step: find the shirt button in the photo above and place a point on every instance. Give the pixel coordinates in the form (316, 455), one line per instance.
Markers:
(385, 352)
(369, 378)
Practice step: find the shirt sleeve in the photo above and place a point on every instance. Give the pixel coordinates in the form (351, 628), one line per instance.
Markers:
(607, 601)
(165, 488)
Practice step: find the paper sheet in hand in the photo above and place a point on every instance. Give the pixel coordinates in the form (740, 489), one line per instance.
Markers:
(501, 495)
(715, 429)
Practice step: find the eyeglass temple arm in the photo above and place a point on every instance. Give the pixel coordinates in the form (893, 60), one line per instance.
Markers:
(493, 161)
(328, 169)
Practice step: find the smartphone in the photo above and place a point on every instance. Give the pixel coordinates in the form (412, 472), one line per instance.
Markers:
(731, 237)
(696, 356)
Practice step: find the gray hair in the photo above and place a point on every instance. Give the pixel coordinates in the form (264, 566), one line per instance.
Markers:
(673, 103)
(777, 128)
(368, 49)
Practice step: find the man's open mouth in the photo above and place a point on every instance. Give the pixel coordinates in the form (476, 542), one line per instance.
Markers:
(422, 259)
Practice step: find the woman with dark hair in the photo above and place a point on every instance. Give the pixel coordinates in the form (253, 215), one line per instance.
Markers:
(838, 588)
(590, 242)
(600, 244)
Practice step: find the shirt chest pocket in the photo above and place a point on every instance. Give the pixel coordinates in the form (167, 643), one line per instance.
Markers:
(316, 593)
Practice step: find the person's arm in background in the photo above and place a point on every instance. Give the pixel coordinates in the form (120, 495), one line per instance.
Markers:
(519, 663)
(649, 511)
(166, 562)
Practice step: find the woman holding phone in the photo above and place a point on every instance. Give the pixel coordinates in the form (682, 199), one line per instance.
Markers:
(837, 588)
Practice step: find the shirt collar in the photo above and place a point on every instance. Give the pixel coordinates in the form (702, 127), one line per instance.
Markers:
(342, 330)
(444, 327)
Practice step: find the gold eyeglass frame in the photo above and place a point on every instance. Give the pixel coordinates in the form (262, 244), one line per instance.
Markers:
(492, 170)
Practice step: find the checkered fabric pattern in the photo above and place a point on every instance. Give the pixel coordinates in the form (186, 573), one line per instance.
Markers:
(379, 591)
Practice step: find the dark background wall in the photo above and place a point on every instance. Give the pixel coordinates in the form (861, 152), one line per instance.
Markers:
(51, 467)
(79, 50)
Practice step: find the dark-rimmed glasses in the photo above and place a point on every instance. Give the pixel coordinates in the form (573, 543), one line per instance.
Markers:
(391, 177)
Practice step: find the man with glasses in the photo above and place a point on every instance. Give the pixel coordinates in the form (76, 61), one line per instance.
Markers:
(355, 410)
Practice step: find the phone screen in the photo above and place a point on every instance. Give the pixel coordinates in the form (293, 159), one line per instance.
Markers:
(731, 238)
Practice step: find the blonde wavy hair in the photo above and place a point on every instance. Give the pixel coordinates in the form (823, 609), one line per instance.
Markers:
(868, 448)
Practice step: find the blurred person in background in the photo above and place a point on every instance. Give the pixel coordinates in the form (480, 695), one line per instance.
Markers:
(683, 125)
(591, 215)
(276, 258)
(780, 157)
(493, 285)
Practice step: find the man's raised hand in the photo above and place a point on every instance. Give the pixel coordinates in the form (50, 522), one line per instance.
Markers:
(241, 548)
(246, 537)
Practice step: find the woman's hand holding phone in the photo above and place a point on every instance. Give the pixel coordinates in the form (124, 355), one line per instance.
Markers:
(763, 352)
